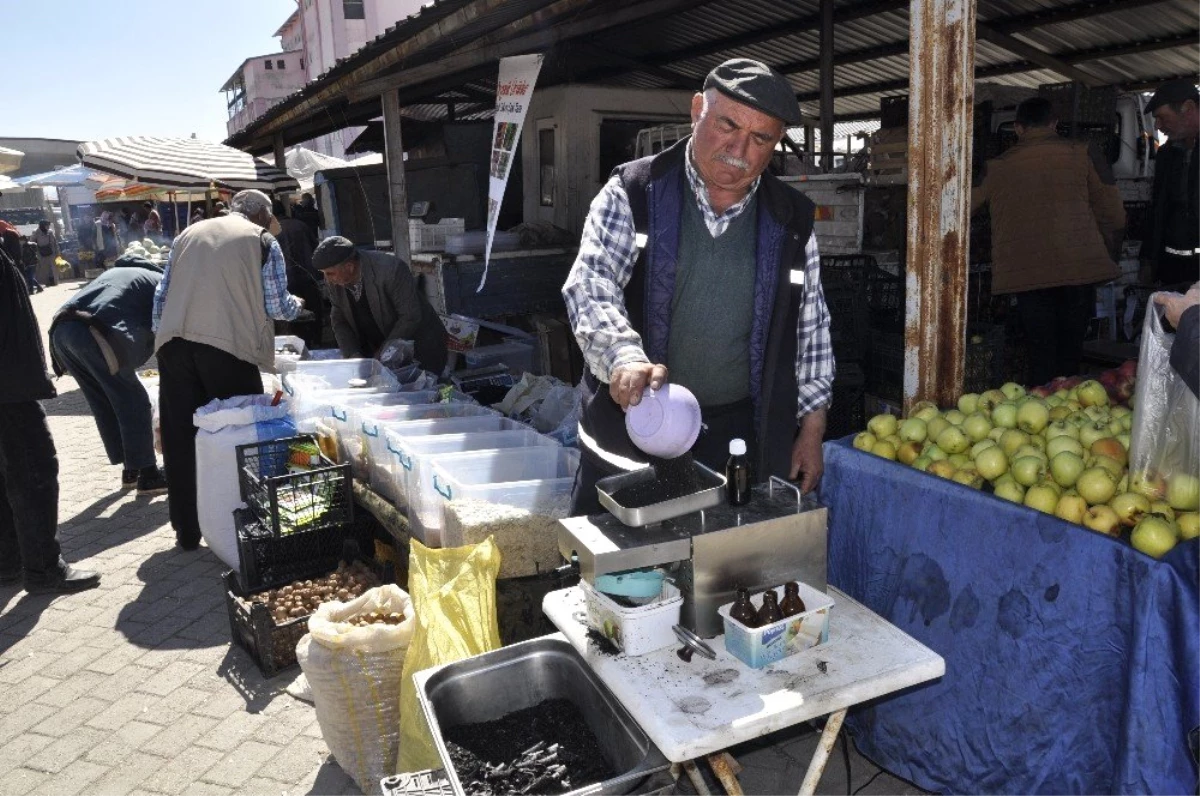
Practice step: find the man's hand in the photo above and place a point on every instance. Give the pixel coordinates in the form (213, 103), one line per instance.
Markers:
(1174, 305)
(807, 457)
(628, 382)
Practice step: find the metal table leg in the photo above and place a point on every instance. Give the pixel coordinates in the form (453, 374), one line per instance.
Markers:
(816, 766)
(726, 768)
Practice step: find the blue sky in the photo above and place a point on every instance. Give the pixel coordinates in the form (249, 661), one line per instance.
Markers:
(86, 69)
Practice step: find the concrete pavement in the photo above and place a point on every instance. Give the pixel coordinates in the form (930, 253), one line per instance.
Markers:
(134, 688)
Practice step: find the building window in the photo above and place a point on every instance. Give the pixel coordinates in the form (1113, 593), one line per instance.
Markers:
(269, 65)
(302, 64)
(280, 63)
(353, 9)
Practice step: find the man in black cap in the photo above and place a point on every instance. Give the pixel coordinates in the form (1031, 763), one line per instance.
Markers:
(1171, 240)
(697, 260)
(375, 299)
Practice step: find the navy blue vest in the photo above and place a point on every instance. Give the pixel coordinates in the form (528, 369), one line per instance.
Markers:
(657, 187)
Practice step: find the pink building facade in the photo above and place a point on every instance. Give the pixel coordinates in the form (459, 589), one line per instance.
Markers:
(317, 35)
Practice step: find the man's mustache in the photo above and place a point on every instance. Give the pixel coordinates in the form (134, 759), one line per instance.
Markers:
(730, 160)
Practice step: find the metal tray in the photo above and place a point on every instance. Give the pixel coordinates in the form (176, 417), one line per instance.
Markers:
(667, 509)
(518, 676)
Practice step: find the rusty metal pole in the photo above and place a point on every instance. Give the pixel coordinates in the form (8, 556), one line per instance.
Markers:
(826, 78)
(393, 145)
(280, 152)
(941, 98)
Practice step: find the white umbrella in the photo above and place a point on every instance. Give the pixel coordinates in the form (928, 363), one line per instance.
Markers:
(183, 163)
(59, 178)
(10, 159)
(6, 184)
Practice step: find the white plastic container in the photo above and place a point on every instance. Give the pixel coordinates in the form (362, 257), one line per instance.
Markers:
(344, 415)
(639, 630)
(286, 361)
(410, 457)
(517, 355)
(666, 422)
(368, 459)
(338, 374)
(537, 480)
(757, 647)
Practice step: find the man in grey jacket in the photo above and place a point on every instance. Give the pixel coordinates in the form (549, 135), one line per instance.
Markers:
(375, 299)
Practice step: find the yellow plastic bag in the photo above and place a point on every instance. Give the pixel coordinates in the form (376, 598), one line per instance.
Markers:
(62, 265)
(454, 593)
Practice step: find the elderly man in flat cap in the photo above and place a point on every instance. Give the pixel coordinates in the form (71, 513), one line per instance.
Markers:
(224, 282)
(698, 267)
(1171, 239)
(375, 299)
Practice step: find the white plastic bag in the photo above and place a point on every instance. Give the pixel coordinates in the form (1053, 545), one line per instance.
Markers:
(222, 425)
(1164, 449)
(354, 674)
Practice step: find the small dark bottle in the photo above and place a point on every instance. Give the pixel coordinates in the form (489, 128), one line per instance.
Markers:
(743, 610)
(737, 474)
(792, 604)
(770, 609)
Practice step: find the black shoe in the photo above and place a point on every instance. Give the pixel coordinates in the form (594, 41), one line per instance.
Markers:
(151, 481)
(187, 541)
(64, 580)
(129, 479)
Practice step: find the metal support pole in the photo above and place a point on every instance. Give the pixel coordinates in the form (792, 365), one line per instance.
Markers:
(397, 186)
(940, 119)
(816, 766)
(280, 152)
(826, 78)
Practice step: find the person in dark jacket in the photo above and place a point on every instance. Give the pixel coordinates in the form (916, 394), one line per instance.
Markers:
(298, 242)
(101, 336)
(29, 547)
(699, 261)
(1171, 239)
(1183, 312)
(375, 299)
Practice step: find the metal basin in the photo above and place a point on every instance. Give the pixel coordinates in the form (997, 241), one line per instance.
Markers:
(520, 676)
(711, 493)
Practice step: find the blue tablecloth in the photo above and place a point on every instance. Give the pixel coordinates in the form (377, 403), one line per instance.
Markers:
(1072, 660)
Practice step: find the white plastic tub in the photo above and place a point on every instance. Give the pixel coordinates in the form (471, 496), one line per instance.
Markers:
(344, 414)
(536, 480)
(759, 646)
(369, 458)
(410, 457)
(336, 375)
(639, 630)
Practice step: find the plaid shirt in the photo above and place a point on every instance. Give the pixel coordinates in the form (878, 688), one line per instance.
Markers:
(594, 293)
(278, 303)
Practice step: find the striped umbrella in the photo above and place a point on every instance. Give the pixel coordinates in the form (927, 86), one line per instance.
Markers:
(183, 163)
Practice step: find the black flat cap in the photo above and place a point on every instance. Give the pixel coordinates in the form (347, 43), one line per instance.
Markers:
(1172, 92)
(331, 252)
(755, 84)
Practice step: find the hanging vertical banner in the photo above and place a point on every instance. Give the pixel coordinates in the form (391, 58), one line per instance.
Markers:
(514, 87)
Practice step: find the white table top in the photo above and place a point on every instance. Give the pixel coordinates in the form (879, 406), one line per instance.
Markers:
(697, 708)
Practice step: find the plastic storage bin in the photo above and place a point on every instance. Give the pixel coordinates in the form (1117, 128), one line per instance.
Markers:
(517, 355)
(369, 456)
(637, 630)
(345, 418)
(409, 459)
(537, 480)
(757, 647)
(337, 374)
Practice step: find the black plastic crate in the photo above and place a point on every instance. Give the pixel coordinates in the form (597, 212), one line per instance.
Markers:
(846, 414)
(292, 502)
(885, 298)
(893, 111)
(267, 560)
(985, 364)
(848, 322)
(1075, 103)
(271, 645)
(885, 365)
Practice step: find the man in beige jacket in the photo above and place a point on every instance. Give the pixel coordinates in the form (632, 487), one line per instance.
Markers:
(1057, 227)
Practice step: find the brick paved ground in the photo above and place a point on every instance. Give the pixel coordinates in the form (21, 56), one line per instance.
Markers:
(134, 688)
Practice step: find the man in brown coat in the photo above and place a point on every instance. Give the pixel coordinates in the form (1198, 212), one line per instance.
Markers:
(1057, 226)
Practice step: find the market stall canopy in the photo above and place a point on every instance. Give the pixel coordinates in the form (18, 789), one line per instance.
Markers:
(10, 159)
(59, 178)
(7, 184)
(183, 163)
(303, 164)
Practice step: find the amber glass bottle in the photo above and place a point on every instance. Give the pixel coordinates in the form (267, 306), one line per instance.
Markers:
(743, 609)
(770, 609)
(792, 604)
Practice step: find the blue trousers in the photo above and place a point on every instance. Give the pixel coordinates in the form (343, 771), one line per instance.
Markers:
(118, 402)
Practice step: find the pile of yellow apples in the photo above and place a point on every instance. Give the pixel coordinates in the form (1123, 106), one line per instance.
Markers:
(1066, 454)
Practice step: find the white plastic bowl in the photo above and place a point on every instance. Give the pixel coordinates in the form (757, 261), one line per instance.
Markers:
(666, 422)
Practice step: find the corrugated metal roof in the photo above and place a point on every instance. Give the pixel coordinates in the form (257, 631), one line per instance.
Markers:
(691, 41)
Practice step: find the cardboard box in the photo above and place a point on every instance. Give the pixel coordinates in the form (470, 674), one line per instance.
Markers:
(757, 647)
